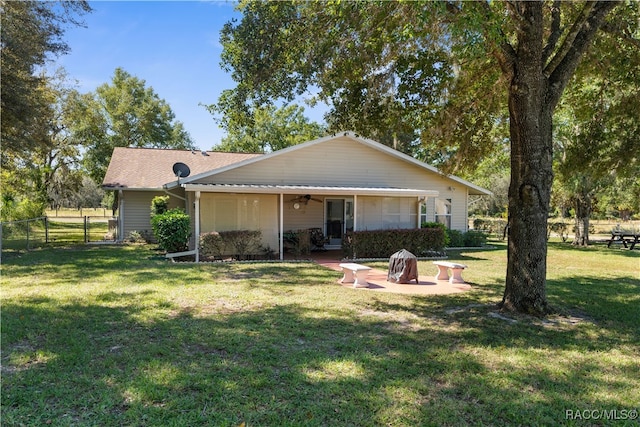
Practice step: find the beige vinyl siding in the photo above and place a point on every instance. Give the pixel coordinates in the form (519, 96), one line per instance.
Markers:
(345, 162)
(227, 212)
(137, 210)
(340, 162)
(310, 215)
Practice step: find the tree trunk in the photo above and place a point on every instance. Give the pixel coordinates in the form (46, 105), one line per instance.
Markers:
(582, 207)
(530, 114)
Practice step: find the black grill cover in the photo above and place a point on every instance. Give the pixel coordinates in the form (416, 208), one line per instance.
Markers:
(403, 267)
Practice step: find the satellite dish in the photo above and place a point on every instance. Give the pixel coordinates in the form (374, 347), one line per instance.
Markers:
(181, 170)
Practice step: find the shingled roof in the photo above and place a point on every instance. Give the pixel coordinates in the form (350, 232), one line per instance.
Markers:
(151, 168)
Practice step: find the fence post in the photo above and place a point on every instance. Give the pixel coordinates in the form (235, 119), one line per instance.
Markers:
(46, 229)
(85, 229)
(27, 235)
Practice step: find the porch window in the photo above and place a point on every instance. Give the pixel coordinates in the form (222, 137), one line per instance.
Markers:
(423, 214)
(398, 213)
(443, 212)
(224, 213)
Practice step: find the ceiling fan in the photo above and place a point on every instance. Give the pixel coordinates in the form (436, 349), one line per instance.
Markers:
(304, 199)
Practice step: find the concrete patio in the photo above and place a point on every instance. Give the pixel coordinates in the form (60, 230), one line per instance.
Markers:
(377, 278)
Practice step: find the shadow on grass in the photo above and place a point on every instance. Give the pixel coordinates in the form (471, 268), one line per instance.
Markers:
(610, 300)
(136, 267)
(142, 356)
(290, 365)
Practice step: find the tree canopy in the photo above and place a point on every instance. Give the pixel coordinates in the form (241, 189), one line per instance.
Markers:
(124, 113)
(450, 71)
(270, 129)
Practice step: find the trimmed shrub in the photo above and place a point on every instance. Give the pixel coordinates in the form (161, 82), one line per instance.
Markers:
(384, 243)
(212, 244)
(172, 230)
(474, 238)
(238, 244)
(494, 226)
(243, 242)
(438, 225)
(456, 239)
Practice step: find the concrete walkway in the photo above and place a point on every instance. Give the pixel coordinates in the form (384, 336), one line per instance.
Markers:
(377, 280)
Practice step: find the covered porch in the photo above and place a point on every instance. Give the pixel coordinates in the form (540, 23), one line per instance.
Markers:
(277, 209)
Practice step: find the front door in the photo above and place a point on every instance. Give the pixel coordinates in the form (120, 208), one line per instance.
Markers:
(338, 219)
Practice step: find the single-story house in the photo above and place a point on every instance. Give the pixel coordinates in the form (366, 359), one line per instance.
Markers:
(338, 183)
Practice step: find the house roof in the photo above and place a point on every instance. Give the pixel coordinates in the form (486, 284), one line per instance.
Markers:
(473, 189)
(151, 168)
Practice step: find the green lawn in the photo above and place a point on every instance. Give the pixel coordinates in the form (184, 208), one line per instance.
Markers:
(113, 336)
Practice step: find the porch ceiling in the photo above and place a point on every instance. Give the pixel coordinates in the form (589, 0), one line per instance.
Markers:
(310, 189)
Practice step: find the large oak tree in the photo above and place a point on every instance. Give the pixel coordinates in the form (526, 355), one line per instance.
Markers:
(123, 113)
(449, 69)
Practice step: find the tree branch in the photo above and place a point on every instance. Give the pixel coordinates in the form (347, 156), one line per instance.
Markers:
(565, 61)
(567, 44)
(556, 31)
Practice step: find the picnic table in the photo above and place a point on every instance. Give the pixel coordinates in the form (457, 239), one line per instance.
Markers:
(627, 238)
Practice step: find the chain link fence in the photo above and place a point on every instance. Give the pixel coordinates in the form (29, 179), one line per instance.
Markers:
(25, 235)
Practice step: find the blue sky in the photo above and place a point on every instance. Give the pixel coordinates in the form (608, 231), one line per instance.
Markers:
(172, 45)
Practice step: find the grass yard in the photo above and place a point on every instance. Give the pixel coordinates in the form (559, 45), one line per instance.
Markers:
(113, 336)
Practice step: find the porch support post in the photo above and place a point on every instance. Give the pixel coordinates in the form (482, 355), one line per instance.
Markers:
(197, 214)
(281, 227)
(355, 212)
(120, 237)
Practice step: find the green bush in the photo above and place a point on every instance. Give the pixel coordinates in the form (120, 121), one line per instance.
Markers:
(474, 238)
(239, 244)
(494, 226)
(159, 205)
(384, 243)
(10, 210)
(172, 230)
(456, 239)
(440, 226)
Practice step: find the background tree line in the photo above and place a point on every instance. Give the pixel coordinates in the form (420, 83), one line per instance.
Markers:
(56, 141)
